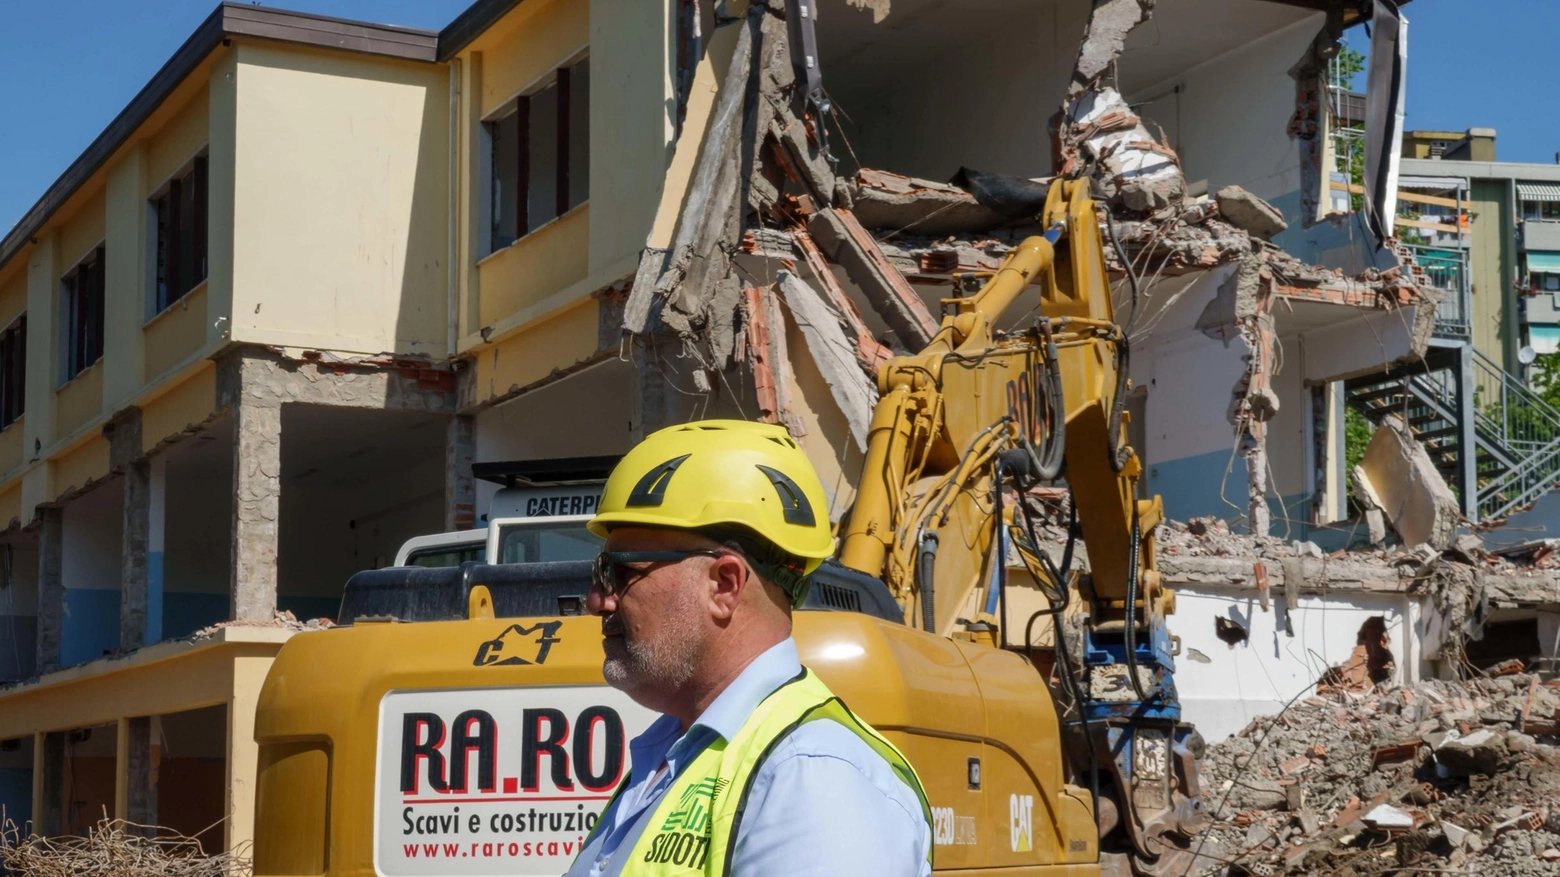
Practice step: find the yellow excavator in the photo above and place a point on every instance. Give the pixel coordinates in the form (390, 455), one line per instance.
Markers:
(458, 723)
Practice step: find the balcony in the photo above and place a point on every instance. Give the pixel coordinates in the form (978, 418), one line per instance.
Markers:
(1540, 234)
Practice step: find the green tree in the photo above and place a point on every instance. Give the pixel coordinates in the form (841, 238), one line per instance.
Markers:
(1343, 68)
(1357, 431)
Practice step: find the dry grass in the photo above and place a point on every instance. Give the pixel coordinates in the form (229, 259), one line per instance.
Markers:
(114, 848)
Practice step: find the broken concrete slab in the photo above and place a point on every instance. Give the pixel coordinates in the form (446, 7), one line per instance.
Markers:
(1480, 752)
(890, 201)
(1250, 213)
(833, 353)
(1398, 476)
(840, 236)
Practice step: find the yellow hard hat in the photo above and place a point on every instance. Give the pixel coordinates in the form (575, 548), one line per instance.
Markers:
(717, 473)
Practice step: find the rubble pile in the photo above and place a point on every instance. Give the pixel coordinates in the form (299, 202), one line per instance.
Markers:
(1436, 777)
(283, 619)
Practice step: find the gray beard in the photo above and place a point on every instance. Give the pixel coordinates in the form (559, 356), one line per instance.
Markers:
(663, 666)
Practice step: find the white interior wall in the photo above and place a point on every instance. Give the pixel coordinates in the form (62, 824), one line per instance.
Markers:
(330, 530)
(932, 94)
(1231, 115)
(1257, 677)
(90, 539)
(583, 415)
(19, 596)
(198, 527)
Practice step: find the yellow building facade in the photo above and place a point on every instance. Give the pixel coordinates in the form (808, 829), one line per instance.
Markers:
(253, 338)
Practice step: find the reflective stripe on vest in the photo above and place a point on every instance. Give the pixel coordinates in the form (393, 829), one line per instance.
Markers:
(693, 829)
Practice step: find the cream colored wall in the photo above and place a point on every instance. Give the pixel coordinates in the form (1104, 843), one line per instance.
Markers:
(506, 294)
(339, 202)
(632, 102)
(537, 265)
(528, 43)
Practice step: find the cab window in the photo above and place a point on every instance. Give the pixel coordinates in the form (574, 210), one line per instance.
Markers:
(446, 555)
(534, 543)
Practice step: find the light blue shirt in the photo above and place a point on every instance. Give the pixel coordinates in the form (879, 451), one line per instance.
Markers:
(822, 803)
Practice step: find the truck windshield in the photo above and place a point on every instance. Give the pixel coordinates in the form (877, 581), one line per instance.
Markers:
(539, 542)
(446, 555)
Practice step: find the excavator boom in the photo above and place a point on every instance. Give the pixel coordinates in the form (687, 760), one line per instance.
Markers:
(962, 429)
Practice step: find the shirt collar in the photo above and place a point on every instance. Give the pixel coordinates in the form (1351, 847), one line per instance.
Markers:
(731, 708)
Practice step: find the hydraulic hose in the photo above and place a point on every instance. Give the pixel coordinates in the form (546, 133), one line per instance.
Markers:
(1131, 609)
(926, 562)
(1055, 447)
(1118, 454)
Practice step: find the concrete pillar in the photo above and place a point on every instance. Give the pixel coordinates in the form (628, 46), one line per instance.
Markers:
(133, 609)
(157, 506)
(460, 487)
(135, 792)
(656, 400)
(124, 455)
(257, 493)
(49, 783)
(51, 588)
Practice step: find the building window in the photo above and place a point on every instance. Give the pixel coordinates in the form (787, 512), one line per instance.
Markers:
(180, 208)
(540, 158)
(13, 371)
(1541, 209)
(81, 315)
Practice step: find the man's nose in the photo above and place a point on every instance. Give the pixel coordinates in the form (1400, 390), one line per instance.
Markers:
(598, 602)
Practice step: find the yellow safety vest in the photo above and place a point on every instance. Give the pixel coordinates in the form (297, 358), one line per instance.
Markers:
(694, 828)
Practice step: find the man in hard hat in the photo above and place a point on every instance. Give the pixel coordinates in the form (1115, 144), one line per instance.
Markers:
(754, 768)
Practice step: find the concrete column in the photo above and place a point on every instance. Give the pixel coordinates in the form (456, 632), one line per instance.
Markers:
(51, 588)
(656, 400)
(460, 487)
(124, 455)
(135, 792)
(49, 783)
(156, 517)
(133, 610)
(257, 493)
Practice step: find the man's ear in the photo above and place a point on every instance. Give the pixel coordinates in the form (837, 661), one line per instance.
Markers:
(729, 578)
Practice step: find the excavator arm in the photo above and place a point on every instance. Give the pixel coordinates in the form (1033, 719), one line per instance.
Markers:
(990, 408)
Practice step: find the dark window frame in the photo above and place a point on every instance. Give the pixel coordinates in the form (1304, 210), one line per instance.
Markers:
(13, 371)
(180, 228)
(562, 80)
(82, 296)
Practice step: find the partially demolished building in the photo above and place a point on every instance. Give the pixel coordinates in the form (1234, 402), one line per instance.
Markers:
(823, 201)
(804, 183)
(595, 219)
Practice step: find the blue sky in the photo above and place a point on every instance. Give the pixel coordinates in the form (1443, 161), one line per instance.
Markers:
(67, 67)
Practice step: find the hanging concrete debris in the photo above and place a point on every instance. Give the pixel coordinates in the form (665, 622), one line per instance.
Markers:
(842, 239)
(1250, 213)
(833, 352)
(1109, 24)
(1398, 477)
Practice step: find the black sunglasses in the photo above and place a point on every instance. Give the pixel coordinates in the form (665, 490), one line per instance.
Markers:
(610, 571)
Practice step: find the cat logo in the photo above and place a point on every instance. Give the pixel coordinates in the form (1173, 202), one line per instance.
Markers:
(1021, 822)
(505, 649)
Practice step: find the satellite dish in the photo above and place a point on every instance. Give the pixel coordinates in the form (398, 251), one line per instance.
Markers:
(1526, 355)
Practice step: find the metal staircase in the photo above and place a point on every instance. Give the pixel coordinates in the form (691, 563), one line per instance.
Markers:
(1515, 433)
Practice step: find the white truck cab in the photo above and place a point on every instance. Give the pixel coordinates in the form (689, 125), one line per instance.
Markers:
(537, 515)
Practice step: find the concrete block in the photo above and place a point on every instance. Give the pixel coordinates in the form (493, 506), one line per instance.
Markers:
(1398, 477)
(1250, 213)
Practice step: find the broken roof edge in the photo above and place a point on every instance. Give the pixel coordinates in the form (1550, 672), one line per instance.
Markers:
(227, 20)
